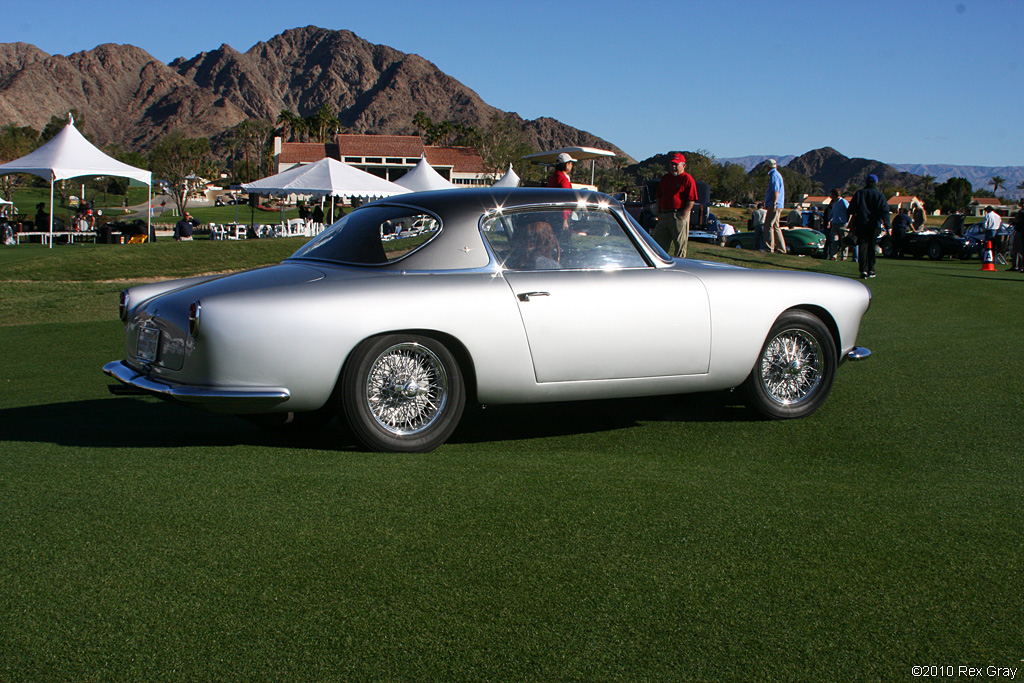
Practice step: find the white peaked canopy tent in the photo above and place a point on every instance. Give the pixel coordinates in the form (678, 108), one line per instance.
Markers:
(422, 177)
(510, 179)
(325, 178)
(69, 155)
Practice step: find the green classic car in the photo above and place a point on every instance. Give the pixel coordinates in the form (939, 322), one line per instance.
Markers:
(799, 241)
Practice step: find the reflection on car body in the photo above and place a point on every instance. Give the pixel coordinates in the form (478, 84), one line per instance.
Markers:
(494, 296)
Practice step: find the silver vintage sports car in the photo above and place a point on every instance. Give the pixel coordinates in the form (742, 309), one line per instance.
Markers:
(408, 307)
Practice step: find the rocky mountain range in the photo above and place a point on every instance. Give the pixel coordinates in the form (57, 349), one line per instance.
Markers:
(832, 169)
(127, 97)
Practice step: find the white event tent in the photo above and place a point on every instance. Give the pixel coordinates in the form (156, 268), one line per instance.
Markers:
(510, 179)
(422, 178)
(69, 155)
(325, 178)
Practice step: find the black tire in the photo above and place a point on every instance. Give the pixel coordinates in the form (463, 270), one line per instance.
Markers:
(887, 247)
(402, 393)
(735, 244)
(934, 250)
(795, 369)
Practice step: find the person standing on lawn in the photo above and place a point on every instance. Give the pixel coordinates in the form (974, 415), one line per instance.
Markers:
(774, 202)
(901, 224)
(869, 211)
(677, 193)
(757, 225)
(993, 221)
(838, 220)
(1017, 246)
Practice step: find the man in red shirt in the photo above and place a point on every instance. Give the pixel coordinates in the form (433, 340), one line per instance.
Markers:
(677, 193)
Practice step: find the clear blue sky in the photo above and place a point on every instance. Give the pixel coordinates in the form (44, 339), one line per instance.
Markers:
(901, 81)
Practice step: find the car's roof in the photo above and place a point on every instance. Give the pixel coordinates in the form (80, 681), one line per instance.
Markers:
(459, 244)
(480, 200)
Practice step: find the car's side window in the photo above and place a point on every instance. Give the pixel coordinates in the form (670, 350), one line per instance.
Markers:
(372, 236)
(561, 239)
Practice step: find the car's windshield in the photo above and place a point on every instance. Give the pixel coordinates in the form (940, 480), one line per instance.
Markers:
(372, 235)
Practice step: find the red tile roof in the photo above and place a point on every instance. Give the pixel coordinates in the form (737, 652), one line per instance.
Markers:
(459, 159)
(380, 145)
(302, 152)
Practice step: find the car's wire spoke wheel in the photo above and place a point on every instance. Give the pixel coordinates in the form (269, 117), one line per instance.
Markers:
(402, 392)
(796, 368)
(407, 389)
(791, 367)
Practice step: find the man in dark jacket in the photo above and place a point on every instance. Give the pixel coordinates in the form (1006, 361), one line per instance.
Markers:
(869, 211)
(901, 225)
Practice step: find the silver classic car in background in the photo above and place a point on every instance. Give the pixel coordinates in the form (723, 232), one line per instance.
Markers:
(408, 307)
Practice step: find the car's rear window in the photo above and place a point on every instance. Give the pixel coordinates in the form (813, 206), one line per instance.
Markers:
(372, 235)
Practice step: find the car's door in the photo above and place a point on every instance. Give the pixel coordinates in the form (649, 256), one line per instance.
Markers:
(593, 307)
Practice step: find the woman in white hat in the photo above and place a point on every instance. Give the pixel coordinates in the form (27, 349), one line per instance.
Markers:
(563, 167)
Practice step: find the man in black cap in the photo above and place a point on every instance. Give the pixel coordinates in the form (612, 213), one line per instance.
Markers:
(869, 211)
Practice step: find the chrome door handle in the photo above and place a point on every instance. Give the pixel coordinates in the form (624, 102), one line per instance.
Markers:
(526, 295)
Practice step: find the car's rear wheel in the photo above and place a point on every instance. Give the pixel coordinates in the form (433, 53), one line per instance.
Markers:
(402, 393)
(887, 247)
(934, 250)
(795, 370)
(735, 244)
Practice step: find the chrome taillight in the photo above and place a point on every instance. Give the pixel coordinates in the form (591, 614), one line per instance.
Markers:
(122, 306)
(194, 312)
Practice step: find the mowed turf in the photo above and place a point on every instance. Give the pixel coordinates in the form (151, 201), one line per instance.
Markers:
(664, 539)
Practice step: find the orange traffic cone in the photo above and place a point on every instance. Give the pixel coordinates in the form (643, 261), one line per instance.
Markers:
(986, 257)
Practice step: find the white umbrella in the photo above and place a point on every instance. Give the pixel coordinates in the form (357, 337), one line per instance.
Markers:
(510, 179)
(422, 177)
(325, 178)
(577, 153)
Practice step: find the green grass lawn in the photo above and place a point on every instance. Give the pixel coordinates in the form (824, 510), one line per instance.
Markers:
(669, 539)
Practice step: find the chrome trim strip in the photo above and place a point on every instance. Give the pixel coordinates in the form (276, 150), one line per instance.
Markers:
(194, 394)
(858, 353)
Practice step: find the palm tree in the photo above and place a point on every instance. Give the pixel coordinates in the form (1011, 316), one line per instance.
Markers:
(996, 182)
(323, 124)
(288, 123)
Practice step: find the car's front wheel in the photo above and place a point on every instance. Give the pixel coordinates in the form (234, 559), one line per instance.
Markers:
(402, 393)
(795, 370)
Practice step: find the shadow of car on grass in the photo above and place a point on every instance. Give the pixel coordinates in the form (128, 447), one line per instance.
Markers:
(147, 423)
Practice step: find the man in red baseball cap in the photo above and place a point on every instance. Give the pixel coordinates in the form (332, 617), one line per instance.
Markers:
(677, 193)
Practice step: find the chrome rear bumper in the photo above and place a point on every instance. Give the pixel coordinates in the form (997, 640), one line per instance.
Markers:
(214, 398)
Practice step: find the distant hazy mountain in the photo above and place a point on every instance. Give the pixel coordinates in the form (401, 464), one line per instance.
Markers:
(748, 163)
(978, 176)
